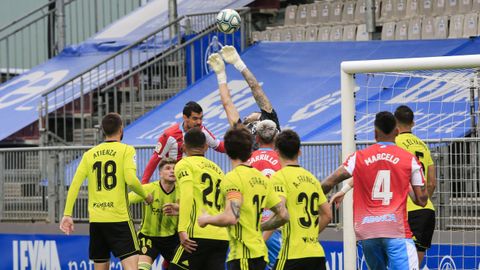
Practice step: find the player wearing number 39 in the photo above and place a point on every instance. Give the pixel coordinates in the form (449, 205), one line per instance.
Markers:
(199, 186)
(247, 192)
(309, 209)
(109, 167)
(384, 175)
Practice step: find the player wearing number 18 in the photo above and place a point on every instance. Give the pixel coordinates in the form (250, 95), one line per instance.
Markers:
(109, 167)
(309, 209)
(199, 185)
(383, 175)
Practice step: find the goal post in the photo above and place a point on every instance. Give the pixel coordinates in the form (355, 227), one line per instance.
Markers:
(405, 73)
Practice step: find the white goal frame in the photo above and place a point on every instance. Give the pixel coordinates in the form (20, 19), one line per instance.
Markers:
(347, 75)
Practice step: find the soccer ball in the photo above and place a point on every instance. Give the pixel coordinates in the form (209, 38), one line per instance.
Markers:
(228, 21)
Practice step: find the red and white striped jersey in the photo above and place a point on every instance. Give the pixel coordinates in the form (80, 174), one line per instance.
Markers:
(170, 145)
(382, 175)
(265, 160)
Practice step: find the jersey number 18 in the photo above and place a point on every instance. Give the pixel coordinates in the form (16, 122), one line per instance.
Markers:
(109, 177)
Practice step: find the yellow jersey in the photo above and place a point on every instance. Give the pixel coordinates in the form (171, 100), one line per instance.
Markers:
(154, 222)
(304, 195)
(246, 239)
(109, 167)
(198, 180)
(417, 147)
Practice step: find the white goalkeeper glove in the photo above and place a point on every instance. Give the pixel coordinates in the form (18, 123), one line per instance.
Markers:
(230, 55)
(216, 64)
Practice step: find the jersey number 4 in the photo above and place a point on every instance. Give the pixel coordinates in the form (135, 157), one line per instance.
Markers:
(381, 187)
(109, 178)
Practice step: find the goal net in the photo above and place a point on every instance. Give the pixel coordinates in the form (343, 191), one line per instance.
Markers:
(443, 93)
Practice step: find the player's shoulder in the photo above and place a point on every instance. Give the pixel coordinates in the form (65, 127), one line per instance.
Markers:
(172, 130)
(207, 132)
(182, 162)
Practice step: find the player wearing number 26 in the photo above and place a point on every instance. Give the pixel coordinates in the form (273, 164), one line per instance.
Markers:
(109, 167)
(383, 175)
(199, 186)
(247, 192)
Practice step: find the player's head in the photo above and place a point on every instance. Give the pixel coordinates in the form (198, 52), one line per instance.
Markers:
(195, 142)
(385, 127)
(404, 116)
(266, 131)
(251, 121)
(112, 125)
(166, 169)
(192, 115)
(287, 144)
(238, 143)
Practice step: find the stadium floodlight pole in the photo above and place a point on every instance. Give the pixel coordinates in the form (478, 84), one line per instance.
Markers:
(172, 16)
(370, 17)
(348, 70)
(60, 12)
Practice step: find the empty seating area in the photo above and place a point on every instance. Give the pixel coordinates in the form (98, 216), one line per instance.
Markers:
(400, 20)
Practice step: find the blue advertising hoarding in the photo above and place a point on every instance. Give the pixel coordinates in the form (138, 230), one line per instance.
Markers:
(54, 252)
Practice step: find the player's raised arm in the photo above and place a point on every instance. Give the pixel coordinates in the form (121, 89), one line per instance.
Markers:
(216, 64)
(230, 55)
(163, 146)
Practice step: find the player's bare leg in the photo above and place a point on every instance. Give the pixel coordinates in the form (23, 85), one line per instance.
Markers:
(101, 266)
(421, 255)
(144, 262)
(130, 263)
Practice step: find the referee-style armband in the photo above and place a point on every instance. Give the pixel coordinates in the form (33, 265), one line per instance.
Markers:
(346, 188)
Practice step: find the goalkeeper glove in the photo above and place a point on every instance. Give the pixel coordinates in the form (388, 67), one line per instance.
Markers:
(216, 64)
(230, 55)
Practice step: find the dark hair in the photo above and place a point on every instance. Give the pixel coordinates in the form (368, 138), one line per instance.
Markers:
(190, 107)
(287, 143)
(194, 138)
(238, 142)
(111, 124)
(385, 122)
(404, 115)
(166, 161)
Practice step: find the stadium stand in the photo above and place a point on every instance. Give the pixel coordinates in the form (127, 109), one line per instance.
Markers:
(411, 19)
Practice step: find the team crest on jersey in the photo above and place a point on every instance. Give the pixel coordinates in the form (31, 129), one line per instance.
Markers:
(144, 250)
(158, 147)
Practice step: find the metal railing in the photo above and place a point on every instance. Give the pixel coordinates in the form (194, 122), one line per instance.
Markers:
(43, 32)
(34, 181)
(134, 80)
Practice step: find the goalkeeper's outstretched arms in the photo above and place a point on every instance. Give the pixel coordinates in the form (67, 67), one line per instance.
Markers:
(230, 55)
(216, 64)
